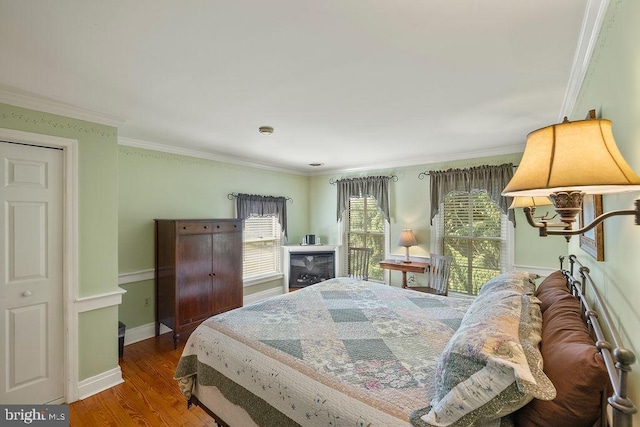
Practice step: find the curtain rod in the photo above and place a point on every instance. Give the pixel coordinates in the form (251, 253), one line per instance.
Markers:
(422, 175)
(232, 196)
(393, 177)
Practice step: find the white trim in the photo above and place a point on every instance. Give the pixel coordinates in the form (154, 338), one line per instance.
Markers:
(147, 145)
(541, 271)
(100, 382)
(13, 96)
(262, 295)
(139, 333)
(163, 148)
(143, 332)
(594, 15)
(136, 276)
(70, 258)
(95, 302)
(433, 158)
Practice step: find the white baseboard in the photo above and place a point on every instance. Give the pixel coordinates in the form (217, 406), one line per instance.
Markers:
(140, 333)
(99, 383)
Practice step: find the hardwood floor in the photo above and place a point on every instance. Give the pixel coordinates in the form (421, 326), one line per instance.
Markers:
(148, 397)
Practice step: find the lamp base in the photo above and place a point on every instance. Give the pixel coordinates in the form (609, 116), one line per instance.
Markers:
(406, 257)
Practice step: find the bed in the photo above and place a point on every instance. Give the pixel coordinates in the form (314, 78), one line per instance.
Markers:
(346, 352)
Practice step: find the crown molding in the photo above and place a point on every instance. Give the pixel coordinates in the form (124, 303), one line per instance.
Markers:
(466, 155)
(18, 98)
(147, 145)
(594, 15)
(154, 146)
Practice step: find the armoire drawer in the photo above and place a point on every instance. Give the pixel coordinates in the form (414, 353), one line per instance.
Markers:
(226, 227)
(196, 227)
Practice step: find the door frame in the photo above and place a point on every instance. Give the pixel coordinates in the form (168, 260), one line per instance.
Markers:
(69, 249)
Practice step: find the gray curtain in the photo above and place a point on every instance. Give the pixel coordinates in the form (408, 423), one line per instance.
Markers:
(374, 186)
(492, 179)
(248, 204)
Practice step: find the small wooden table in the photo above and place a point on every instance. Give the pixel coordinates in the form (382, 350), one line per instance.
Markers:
(405, 267)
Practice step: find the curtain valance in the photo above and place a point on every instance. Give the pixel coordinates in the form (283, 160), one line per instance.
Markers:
(375, 186)
(491, 179)
(252, 204)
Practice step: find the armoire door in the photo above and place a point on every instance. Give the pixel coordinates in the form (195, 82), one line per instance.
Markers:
(227, 267)
(31, 299)
(194, 277)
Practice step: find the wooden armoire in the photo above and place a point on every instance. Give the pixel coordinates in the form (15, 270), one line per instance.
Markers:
(198, 271)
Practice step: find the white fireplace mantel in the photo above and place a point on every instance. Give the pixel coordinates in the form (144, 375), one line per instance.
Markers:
(297, 249)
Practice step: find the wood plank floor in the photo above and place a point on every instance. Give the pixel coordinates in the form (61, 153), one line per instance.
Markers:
(148, 397)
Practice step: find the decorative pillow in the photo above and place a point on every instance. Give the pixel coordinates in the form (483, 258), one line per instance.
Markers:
(520, 282)
(573, 364)
(492, 365)
(552, 288)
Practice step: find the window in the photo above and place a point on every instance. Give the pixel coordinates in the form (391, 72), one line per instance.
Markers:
(261, 238)
(366, 227)
(473, 231)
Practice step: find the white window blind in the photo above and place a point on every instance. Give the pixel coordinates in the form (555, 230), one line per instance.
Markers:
(473, 231)
(262, 238)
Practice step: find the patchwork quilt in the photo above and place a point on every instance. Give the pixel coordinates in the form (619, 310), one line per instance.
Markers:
(343, 352)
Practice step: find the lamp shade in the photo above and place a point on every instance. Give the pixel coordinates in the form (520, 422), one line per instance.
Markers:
(529, 202)
(580, 155)
(407, 238)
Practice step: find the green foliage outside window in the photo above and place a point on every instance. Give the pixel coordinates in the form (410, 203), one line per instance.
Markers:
(366, 229)
(472, 227)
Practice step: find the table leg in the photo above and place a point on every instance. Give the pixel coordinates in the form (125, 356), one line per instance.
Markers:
(404, 279)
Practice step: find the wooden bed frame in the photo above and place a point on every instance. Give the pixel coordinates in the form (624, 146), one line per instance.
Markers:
(618, 359)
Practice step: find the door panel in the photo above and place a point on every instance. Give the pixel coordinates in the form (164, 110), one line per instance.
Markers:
(27, 361)
(227, 265)
(27, 234)
(194, 277)
(31, 319)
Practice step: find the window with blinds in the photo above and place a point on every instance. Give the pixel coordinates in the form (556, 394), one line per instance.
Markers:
(365, 227)
(473, 231)
(262, 238)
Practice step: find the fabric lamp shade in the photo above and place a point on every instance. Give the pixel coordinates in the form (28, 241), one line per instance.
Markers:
(580, 155)
(529, 202)
(407, 238)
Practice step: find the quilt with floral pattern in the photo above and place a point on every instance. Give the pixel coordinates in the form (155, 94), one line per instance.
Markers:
(343, 352)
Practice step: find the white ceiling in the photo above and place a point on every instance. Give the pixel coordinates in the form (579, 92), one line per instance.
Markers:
(351, 84)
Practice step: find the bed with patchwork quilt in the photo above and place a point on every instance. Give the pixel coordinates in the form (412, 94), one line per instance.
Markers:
(341, 352)
(348, 352)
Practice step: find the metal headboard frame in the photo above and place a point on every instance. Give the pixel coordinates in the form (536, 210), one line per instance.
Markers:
(617, 358)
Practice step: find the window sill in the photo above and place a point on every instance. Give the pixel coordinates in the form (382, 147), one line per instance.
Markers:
(262, 279)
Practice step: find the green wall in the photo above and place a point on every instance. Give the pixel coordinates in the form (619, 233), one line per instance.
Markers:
(612, 87)
(138, 304)
(98, 224)
(153, 185)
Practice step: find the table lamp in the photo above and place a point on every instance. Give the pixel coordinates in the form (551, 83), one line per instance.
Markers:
(407, 239)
